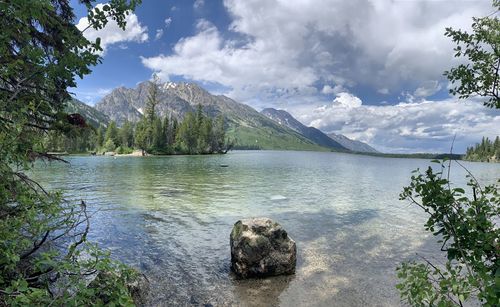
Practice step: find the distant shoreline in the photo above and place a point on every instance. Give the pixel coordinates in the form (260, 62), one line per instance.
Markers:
(426, 156)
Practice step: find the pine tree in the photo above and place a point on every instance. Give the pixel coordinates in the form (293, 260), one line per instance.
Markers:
(126, 135)
(173, 133)
(219, 135)
(100, 136)
(205, 144)
(157, 136)
(112, 133)
(141, 135)
(484, 151)
(165, 134)
(187, 135)
(496, 147)
(152, 101)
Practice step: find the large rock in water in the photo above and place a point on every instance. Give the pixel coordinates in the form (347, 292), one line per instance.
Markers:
(261, 247)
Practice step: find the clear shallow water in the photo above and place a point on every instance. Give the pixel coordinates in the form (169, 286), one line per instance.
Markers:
(171, 217)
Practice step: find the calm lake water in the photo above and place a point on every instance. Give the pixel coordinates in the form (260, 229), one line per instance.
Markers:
(171, 217)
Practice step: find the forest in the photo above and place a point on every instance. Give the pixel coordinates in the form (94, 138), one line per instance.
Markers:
(486, 151)
(196, 134)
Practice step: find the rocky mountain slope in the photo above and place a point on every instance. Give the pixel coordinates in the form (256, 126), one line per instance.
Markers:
(353, 145)
(336, 141)
(286, 119)
(247, 127)
(91, 115)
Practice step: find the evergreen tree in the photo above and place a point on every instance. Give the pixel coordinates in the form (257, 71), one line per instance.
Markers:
(152, 101)
(126, 135)
(100, 136)
(141, 135)
(157, 136)
(109, 145)
(173, 133)
(112, 133)
(187, 134)
(205, 136)
(219, 135)
(199, 118)
(486, 151)
(43, 236)
(165, 132)
(147, 134)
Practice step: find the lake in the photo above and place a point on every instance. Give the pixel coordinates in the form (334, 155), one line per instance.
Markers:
(171, 218)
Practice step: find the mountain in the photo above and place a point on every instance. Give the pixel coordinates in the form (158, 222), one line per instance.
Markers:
(353, 145)
(285, 119)
(91, 115)
(246, 126)
(336, 141)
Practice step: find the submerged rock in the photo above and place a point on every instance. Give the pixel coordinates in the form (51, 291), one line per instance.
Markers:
(261, 247)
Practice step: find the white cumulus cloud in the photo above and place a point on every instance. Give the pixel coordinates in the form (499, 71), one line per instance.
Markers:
(112, 33)
(347, 100)
(427, 88)
(296, 54)
(389, 46)
(427, 126)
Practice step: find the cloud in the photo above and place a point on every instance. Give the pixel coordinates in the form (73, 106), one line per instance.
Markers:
(427, 88)
(90, 97)
(248, 71)
(296, 54)
(383, 91)
(388, 46)
(168, 21)
(198, 4)
(327, 89)
(112, 34)
(347, 100)
(159, 34)
(426, 126)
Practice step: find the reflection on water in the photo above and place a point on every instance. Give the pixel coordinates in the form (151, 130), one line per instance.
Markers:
(171, 217)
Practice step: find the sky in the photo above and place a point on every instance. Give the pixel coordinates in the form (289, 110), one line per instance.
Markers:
(369, 69)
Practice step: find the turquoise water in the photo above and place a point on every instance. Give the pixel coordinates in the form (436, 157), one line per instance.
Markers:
(171, 217)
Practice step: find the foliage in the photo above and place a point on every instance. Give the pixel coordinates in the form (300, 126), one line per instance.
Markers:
(44, 253)
(469, 235)
(479, 75)
(196, 134)
(126, 135)
(112, 133)
(485, 151)
(109, 145)
(152, 101)
(75, 140)
(100, 136)
(465, 223)
(246, 137)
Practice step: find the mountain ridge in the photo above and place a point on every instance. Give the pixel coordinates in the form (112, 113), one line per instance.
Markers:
(286, 119)
(331, 140)
(93, 116)
(246, 126)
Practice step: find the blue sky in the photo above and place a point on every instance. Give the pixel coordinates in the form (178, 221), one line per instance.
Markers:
(122, 65)
(371, 70)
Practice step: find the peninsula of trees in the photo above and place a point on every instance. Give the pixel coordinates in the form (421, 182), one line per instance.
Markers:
(195, 134)
(486, 151)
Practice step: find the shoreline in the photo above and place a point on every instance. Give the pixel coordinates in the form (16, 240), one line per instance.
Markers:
(423, 156)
